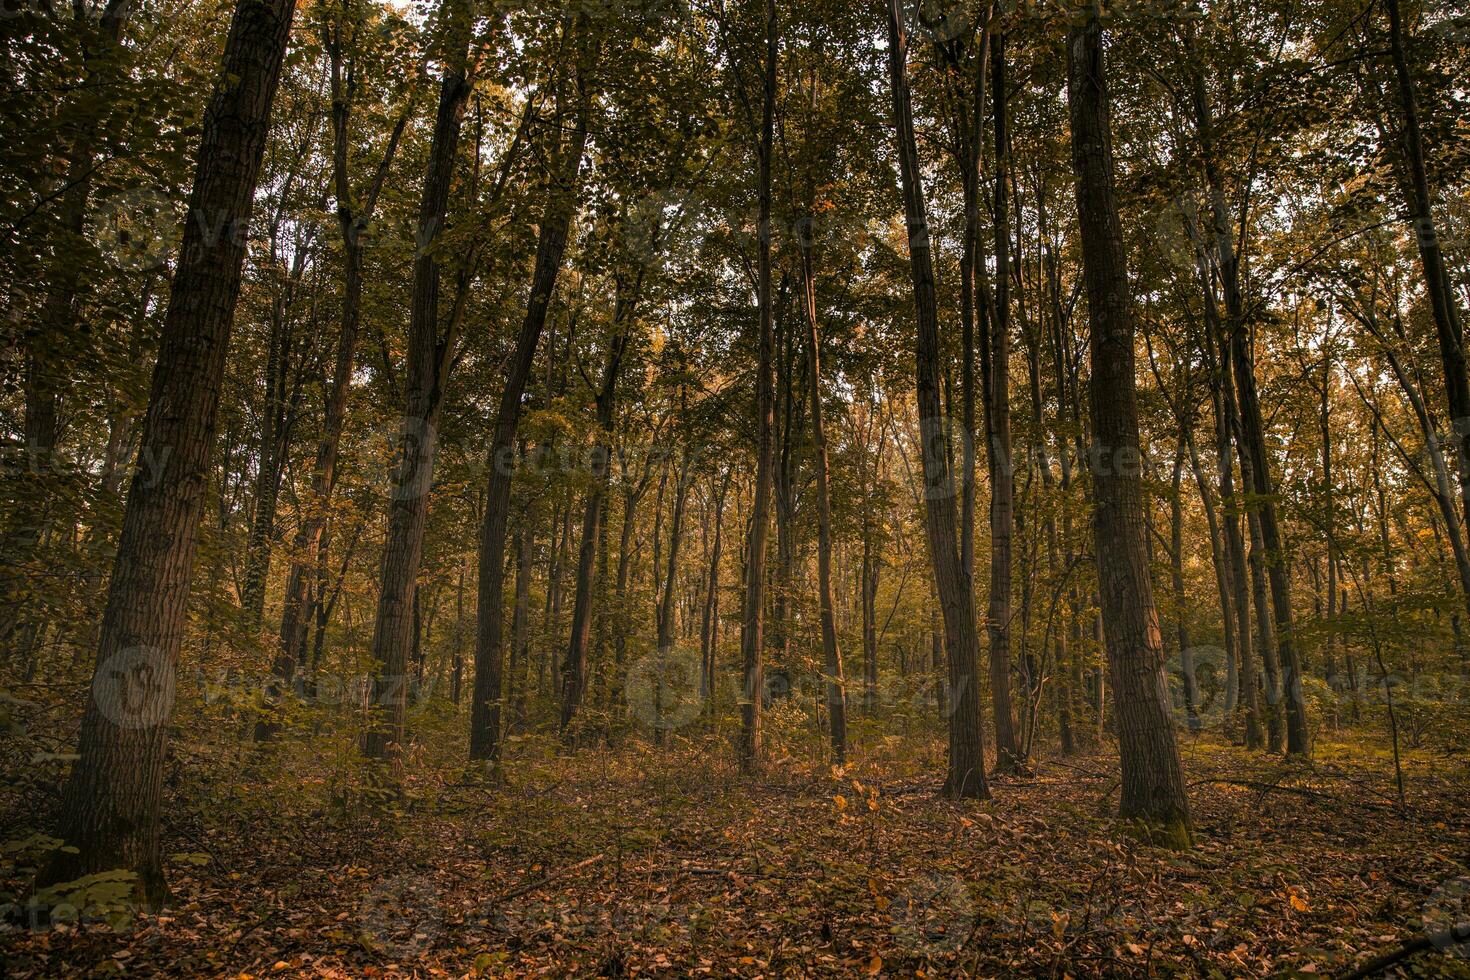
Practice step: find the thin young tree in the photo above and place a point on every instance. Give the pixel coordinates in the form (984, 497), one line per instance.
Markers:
(556, 220)
(753, 611)
(954, 589)
(425, 376)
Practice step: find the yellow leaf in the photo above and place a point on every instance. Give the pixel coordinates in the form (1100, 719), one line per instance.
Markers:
(874, 965)
(1299, 904)
(841, 802)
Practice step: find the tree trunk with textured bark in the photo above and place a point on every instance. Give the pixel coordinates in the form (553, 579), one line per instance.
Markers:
(485, 709)
(425, 373)
(110, 806)
(752, 629)
(953, 586)
(1153, 789)
(1008, 754)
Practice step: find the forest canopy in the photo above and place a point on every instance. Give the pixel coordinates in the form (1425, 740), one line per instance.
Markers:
(746, 487)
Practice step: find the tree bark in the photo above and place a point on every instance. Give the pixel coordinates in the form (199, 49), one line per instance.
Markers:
(1009, 757)
(835, 683)
(425, 376)
(752, 636)
(1153, 789)
(485, 710)
(110, 805)
(953, 585)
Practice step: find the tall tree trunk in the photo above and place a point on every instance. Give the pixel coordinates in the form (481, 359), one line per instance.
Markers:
(1236, 358)
(556, 220)
(1244, 691)
(1277, 566)
(110, 805)
(574, 667)
(953, 585)
(752, 635)
(425, 375)
(520, 622)
(709, 629)
(868, 584)
(665, 610)
(835, 682)
(1153, 779)
(1008, 754)
(1442, 306)
(1176, 570)
(352, 224)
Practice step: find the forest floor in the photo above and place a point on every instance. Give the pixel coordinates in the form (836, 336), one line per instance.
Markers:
(664, 862)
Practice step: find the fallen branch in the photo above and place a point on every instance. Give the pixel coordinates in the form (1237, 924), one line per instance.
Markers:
(1277, 787)
(1453, 936)
(520, 890)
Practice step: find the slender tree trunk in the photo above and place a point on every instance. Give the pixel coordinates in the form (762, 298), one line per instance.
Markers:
(1153, 779)
(869, 585)
(709, 630)
(110, 806)
(520, 623)
(1236, 358)
(953, 585)
(1442, 306)
(352, 224)
(752, 635)
(1176, 569)
(665, 611)
(574, 667)
(1277, 566)
(556, 221)
(425, 375)
(835, 682)
(1008, 755)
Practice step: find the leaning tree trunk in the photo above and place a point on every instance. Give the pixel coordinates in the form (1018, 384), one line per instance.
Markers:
(753, 615)
(1153, 779)
(110, 806)
(1436, 277)
(485, 710)
(955, 591)
(425, 375)
(1236, 358)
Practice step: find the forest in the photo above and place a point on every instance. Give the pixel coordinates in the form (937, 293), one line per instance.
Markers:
(752, 488)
